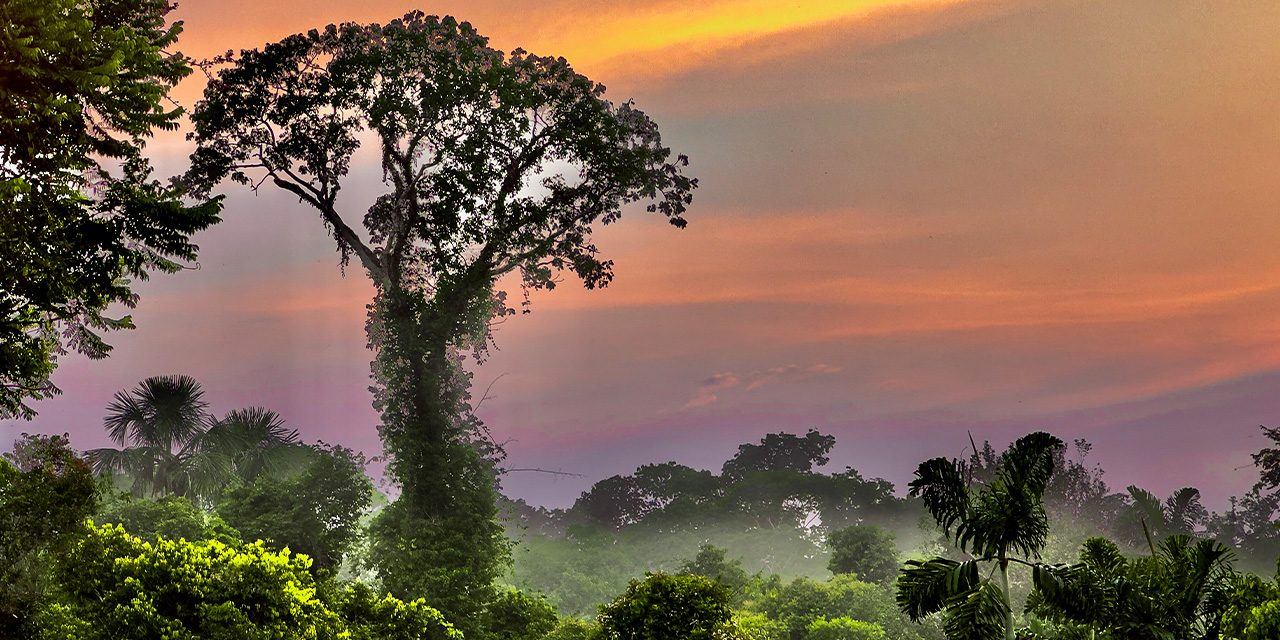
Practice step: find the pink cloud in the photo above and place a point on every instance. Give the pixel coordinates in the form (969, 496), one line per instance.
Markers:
(710, 387)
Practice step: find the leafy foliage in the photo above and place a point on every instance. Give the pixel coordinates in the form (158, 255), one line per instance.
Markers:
(1268, 459)
(663, 606)
(82, 82)
(711, 564)
(864, 550)
(513, 615)
(172, 517)
(1179, 593)
(1252, 609)
(793, 608)
(844, 629)
(113, 585)
(46, 493)
(368, 617)
(315, 512)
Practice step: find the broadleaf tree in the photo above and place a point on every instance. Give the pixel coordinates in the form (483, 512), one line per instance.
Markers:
(81, 85)
(493, 164)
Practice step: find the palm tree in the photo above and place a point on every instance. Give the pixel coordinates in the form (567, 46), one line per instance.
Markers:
(171, 444)
(1178, 515)
(257, 442)
(1179, 592)
(1003, 518)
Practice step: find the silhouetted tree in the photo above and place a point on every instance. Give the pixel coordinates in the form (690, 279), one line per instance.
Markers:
(781, 452)
(494, 164)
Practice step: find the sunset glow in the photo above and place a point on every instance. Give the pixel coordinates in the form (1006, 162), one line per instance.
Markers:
(915, 219)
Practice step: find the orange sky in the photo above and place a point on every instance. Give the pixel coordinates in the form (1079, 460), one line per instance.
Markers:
(916, 217)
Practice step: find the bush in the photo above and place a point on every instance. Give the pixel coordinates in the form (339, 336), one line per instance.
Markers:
(112, 585)
(663, 607)
(172, 517)
(844, 629)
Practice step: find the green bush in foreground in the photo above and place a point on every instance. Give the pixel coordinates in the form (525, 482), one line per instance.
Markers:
(115, 586)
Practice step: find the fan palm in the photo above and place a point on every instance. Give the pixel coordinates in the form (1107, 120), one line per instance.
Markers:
(1004, 518)
(171, 444)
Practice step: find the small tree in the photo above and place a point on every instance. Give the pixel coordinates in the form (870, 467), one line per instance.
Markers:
(662, 607)
(1005, 517)
(315, 512)
(46, 492)
(864, 550)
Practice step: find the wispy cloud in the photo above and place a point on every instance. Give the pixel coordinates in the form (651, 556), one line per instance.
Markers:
(711, 388)
(708, 390)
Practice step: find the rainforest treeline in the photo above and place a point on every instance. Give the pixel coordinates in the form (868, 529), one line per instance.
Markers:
(229, 526)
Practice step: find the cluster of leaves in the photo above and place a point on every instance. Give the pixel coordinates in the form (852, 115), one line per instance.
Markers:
(1177, 593)
(315, 512)
(114, 585)
(46, 493)
(82, 82)
(843, 607)
(664, 606)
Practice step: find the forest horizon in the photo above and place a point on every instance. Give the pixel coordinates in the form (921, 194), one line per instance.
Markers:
(917, 220)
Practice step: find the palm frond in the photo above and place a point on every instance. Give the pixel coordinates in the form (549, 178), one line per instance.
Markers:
(979, 616)
(1004, 517)
(1183, 510)
(1103, 556)
(123, 413)
(925, 588)
(1029, 462)
(945, 495)
(258, 442)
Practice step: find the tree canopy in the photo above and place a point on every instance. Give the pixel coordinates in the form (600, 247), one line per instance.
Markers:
(81, 83)
(493, 164)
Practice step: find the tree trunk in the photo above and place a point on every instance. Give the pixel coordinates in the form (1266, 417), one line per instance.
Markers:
(1004, 593)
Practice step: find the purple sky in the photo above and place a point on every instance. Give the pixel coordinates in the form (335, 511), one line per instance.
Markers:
(916, 219)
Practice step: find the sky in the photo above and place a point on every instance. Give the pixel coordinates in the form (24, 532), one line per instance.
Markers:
(917, 220)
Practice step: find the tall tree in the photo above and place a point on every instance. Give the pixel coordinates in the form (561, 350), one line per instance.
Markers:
(1003, 519)
(781, 452)
(81, 84)
(494, 164)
